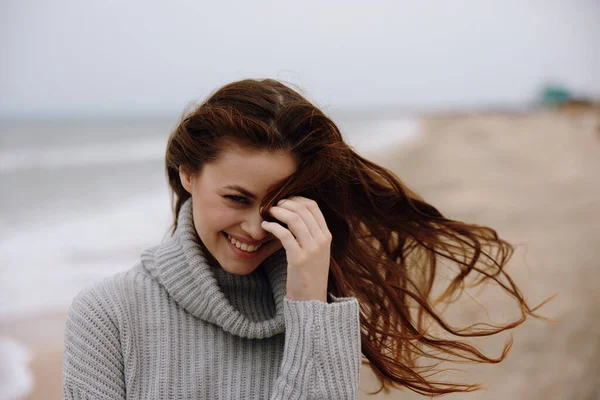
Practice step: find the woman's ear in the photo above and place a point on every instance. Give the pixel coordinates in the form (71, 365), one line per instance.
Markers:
(186, 179)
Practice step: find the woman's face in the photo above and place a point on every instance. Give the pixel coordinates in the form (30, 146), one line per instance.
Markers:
(226, 196)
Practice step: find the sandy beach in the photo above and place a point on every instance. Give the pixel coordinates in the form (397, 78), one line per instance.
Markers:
(535, 178)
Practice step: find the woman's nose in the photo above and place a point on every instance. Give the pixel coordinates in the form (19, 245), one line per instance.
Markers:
(252, 226)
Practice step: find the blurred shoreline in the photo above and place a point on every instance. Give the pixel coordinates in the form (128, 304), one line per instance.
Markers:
(534, 177)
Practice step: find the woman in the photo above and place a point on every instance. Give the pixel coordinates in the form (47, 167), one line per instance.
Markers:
(291, 257)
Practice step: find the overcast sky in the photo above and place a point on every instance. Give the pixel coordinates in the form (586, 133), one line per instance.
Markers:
(118, 58)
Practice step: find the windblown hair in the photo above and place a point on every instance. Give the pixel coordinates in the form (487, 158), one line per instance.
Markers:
(387, 241)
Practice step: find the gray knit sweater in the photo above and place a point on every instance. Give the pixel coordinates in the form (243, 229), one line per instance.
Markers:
(175, 327)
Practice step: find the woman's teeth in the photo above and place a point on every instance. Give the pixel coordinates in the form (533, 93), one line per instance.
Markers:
(243, 246)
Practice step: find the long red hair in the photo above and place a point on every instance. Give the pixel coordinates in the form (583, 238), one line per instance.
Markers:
(387, 241)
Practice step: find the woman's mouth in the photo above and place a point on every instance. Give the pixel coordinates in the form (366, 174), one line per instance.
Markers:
(243, 250)
(241, 245)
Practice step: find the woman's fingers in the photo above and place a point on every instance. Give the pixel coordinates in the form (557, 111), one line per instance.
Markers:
(285, 236)
(314, 209)
(295, 223)
(296, 205)
(304, 221)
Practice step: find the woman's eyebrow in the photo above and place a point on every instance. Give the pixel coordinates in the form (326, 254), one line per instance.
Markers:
(241, 190)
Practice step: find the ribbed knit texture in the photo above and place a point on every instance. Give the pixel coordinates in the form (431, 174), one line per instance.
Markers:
(174, 327)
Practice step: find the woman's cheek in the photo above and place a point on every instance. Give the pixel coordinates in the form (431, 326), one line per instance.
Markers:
(223, 217)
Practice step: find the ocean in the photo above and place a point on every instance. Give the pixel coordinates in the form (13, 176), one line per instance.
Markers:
(81, 200)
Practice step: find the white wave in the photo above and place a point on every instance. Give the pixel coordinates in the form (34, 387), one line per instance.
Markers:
(16, 379)
(90, 154)
(44, 265)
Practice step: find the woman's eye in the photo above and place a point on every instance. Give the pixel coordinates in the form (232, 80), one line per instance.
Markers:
(238, 199)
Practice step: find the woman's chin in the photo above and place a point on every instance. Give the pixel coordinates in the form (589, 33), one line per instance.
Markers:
(239, 268)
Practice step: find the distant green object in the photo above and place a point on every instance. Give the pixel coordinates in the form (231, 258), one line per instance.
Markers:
(554, 96)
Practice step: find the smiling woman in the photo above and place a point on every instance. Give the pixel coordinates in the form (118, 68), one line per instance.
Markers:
(227, 195)
(282, 234)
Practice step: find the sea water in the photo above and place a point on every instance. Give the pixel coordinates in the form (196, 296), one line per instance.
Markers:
(81, 200)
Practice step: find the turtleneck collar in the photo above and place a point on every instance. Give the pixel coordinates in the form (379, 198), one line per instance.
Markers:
(249, 306)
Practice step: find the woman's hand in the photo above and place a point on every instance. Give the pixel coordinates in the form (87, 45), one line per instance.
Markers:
(307, 244)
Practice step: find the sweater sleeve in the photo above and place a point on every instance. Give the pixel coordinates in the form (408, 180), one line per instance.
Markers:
(322, 352)
(92, 361)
